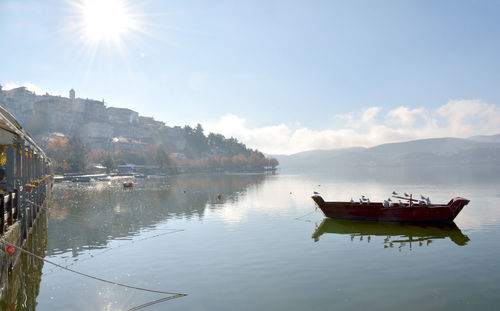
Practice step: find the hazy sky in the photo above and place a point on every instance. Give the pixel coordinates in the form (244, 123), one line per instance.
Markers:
(282, 76)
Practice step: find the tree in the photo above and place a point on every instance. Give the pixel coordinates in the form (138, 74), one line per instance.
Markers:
(57, 148)
(273, 162)
(257, 160)
(163, 158)
(96, 155)
(108, 162)
(239, 161)
(77, 154)
(196, 142)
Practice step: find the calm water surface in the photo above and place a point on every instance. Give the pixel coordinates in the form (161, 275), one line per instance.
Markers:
(264, 247)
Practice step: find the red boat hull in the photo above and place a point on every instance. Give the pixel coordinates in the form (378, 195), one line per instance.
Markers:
(377, 211)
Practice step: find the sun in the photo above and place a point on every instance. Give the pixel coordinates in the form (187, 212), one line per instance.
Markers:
(108, 20)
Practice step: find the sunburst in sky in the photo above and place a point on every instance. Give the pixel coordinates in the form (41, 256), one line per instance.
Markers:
(106, 20)
(110, 24)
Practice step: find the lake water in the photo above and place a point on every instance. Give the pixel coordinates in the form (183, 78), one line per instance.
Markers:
(263, 246)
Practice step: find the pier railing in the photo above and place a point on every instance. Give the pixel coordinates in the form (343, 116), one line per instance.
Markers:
(22, 206)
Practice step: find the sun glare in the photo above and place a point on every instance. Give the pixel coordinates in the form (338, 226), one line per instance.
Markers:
(105, 19)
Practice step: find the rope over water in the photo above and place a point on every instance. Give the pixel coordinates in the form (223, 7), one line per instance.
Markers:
(306, 220)
(173, 295)
(90, 276)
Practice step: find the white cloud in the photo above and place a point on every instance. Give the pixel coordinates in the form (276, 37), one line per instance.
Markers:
(370, 114)
(30, 87)
(405, 116)
(458, 118)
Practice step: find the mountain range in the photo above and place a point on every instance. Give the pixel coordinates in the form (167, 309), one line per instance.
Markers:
(478, 155)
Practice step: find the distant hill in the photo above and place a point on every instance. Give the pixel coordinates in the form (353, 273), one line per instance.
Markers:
(486, 139)
(414, 157)
(121, 135)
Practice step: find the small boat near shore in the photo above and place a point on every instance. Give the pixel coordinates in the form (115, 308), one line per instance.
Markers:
(128, 184)
(412, 211)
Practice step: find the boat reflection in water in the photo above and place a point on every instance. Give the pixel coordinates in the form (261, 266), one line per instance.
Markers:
(396, 234)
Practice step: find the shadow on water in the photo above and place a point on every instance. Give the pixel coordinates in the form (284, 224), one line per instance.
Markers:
(395, 233)
(24, 280)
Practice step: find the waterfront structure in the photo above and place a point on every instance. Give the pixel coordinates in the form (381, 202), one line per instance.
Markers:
(24, 185)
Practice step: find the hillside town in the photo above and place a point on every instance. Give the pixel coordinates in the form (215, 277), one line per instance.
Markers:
(85, 134)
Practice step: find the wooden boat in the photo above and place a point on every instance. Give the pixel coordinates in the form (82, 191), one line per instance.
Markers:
(128, 184)
(414, 210)
(393, 232)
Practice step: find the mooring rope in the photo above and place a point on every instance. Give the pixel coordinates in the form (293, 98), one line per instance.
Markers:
(169, 231)
(124, 245)
(300, 218)
(91, 276)
(148, 304)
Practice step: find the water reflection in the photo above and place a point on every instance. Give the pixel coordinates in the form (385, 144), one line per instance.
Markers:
(87, 217)
(24, 281)
(395, 234)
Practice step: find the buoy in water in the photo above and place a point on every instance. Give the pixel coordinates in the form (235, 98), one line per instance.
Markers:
(219, 196)
(10, 249)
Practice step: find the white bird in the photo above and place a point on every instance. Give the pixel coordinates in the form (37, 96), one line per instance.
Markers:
(421, 202)
(386, 203)
(389, 199)
(395, 193)
(363, 197)
(401, 203)
(406, 194)
(352, 201)
(360, 201)
(368, 200)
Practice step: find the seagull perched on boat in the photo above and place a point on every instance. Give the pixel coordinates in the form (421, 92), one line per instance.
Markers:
(386, 203)
(401, 203)
(352, 201)
(363, 198)
(394, 193)
(360, 201)
(421, 202)
(368, 200)
(316, 192)
(406, 194)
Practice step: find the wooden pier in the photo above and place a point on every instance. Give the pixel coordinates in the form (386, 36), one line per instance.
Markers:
(25, 183)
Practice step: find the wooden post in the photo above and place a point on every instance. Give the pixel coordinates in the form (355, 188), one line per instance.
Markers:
(9, 168)
(2, 214)
(30, 209)
(16, 204)
(8, 206)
